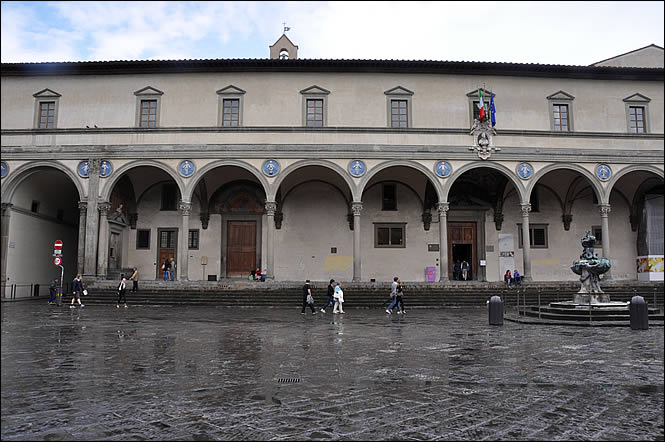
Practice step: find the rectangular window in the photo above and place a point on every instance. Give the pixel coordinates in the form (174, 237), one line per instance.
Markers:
(389, 200)
(193, 239)
(60, 215)
(35, 206)
(47, 115)
(231, 112)
(169, 197)
(399, 113)
(537, 236)
(167, 239)
(476, 110)
(314, 113)
(148, 113)
(389, 235)
(534, 200)
(597, 231)
(560, 114)
(143, 239)
(636, 117)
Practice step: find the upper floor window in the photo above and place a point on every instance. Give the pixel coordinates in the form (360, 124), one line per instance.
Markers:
(148, 113)
(230, 112)
(637, 109)
(314, 113)
(46, 109)
(315, 106)
(230, 101)
(148, 103)
(47, 115)
(561, 112)
(389, 199)
(399, 107)
(143, 239)
(169, 197)
(537, 236)
(193, 239)
(473, 98)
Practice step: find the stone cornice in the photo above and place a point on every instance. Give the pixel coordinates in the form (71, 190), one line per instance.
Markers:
(334, 129)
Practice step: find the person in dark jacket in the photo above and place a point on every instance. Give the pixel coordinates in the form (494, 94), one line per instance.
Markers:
(307, 291)
(331, 296)
(52, 291)
(77, 289)
(122, 291)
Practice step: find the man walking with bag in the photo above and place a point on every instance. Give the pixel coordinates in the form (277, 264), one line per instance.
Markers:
(307, 298)
(122, 289)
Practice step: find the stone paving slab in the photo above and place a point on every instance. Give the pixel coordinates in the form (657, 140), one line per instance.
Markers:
(207, 373)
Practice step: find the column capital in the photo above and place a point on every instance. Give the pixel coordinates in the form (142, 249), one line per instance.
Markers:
(604, 210)
(270, 208)
(185, 208)
(356, 207)
(525, 208)
(443, 208)
(6, 207)
(83, 207)
(103, 208)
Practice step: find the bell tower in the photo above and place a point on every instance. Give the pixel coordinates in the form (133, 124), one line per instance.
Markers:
(284, 49)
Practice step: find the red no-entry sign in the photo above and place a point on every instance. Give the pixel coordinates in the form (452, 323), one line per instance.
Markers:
(57, 245)
(57, 260)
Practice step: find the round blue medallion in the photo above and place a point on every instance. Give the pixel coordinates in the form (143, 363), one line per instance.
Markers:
(4, 169)
(525, 171)
(105, 169)
(603, 172)
(186, 168)
(84, 169)
(443, 169)
(271, 167)
(357, 168)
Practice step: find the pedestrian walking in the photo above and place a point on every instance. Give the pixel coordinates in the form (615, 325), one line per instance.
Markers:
(393, 295)
(331, 296)
(457, 270)
(122, 289)
(166, 268)
(52, 291)
(307, 298)
(465, 269)
(339, 299)
(400, 298)
(135, 280)
(77, 289)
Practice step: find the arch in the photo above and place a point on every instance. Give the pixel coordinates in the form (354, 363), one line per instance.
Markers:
(398, 163)
(28, 169)
(595, 185)
(189, 188)
(305, 163)
(634, 168)
(340, 191)
(512, 177)
(107, 187)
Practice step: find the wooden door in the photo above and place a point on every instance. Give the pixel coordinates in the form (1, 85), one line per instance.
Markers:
(240, 248)
(462, 237)
(167, 240)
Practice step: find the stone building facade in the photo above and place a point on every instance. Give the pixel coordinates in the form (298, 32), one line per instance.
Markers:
(317, 169)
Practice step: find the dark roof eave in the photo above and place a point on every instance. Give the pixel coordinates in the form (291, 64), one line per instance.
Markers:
(315, 65)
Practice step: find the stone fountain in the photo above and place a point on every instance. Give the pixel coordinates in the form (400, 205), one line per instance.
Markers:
(590, 267)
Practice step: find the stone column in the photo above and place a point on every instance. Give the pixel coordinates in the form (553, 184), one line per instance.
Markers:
(356, 207)
(605, 210)
(92, 219)
(526, 244)
(271, 208)
(443, 240)
(185, 209)
(6, 211)
(80, 257)
(103, 245)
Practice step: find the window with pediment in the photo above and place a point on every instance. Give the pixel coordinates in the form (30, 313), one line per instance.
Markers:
(46, 109)
(315, 106)
(230, 106)
(561, 112)
(148, 105)
(637, 109)
(399, 106)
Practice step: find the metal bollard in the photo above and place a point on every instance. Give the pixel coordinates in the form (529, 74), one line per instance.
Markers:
(496, 310)
(639, 313)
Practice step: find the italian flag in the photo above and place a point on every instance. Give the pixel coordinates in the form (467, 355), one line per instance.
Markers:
(481, 105)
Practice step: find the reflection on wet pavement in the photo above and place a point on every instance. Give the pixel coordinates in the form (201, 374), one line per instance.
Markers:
(206, 373)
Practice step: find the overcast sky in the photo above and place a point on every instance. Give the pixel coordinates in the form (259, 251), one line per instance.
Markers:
(578, 33)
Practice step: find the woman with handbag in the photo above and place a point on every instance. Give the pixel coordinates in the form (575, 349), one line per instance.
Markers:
(307, 298)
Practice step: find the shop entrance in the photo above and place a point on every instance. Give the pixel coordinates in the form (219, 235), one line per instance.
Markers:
(462, 247)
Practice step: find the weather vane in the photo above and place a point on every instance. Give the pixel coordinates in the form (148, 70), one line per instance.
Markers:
(285, 27)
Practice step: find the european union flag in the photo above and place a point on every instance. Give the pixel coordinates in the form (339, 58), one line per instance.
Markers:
(492, 110)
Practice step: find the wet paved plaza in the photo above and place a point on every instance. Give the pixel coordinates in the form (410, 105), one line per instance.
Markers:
(206, 373)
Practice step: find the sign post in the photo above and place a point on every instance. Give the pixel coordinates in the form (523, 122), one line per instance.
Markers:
(57, 260)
